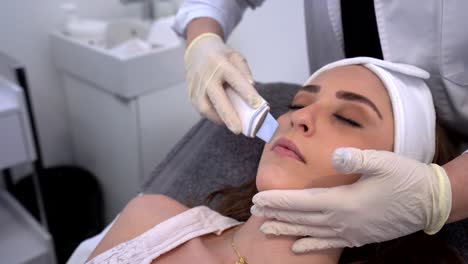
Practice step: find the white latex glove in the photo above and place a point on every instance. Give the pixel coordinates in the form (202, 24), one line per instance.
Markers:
(210, 64)
(395, 196)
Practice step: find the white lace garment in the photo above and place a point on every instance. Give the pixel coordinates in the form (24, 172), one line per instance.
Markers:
(166, 236)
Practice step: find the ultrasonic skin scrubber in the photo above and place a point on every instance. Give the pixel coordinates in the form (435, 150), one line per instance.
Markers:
(255, 122)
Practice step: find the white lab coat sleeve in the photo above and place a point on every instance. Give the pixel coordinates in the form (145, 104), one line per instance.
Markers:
(227, 13)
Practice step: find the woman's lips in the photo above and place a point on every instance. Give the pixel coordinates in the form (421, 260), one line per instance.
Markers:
(286, 147)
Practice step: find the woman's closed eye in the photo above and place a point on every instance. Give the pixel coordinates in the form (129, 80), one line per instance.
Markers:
(293, 107)
(347, 121)
(341, 118)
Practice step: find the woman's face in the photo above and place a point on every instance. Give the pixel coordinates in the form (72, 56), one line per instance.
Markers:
(344, 107)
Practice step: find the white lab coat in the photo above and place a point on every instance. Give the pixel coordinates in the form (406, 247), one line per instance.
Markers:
(431, 34)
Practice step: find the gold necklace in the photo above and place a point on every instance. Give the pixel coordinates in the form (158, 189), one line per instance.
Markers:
(242, 259)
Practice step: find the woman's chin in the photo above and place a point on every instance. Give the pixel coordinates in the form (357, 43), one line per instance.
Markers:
(275, 179)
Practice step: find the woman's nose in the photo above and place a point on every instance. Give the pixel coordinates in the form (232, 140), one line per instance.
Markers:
(303, 120)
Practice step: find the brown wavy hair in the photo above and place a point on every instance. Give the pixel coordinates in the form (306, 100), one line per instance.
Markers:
(235, 202)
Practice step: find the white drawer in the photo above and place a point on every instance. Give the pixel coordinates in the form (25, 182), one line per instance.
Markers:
(13, 149)
(15, 133)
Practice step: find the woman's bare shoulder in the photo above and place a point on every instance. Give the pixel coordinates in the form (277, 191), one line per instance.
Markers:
(141, 214)
(152, 209)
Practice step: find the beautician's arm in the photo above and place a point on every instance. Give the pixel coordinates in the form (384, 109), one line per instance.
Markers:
(210, 64)
(457, 171)
(202, 25)
(227, 13)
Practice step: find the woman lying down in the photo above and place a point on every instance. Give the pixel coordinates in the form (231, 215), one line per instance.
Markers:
(361, 102)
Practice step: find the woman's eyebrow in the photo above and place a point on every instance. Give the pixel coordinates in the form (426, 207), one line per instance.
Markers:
(346, 95)
(311, 88)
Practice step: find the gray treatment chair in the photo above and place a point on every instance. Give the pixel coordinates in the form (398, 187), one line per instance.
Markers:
(209, 157)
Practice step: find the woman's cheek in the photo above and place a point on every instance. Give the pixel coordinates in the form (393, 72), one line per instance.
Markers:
(272, 177)
(333, 180)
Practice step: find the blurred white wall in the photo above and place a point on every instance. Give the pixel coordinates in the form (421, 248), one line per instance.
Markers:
(272, 38)
(24, 33)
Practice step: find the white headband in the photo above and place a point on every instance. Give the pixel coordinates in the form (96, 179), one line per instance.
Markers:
(413, 108)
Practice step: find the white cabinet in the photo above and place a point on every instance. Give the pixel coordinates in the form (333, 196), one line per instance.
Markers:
(121, 141)
(121, 133)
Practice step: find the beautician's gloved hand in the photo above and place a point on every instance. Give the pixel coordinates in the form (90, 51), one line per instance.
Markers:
(210, 64)
(394, 197)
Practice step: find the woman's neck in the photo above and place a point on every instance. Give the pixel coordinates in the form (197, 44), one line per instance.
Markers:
(257, 247)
